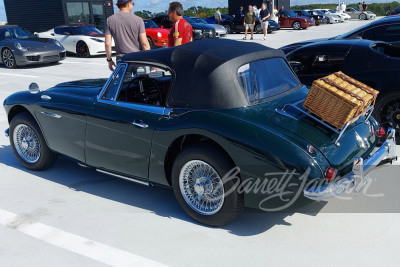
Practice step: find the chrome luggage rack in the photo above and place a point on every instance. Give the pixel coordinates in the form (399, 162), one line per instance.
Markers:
(299, 107)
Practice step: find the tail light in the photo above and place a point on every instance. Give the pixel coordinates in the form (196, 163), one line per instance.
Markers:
(330, 173)
(380, 132)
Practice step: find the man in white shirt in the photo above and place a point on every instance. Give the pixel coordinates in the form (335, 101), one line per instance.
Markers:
(217, 16)
(343, 7)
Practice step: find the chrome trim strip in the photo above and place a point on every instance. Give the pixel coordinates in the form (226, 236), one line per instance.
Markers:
(51, 114)
(124, 177)
(139, 107)
(6, 132)
(356, 179)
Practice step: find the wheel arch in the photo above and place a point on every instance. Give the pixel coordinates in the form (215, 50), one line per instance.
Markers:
(182, 142)
(17, 109)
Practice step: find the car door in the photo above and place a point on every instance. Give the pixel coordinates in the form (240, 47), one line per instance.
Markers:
(120, 127)
(62, 118)
(238, 24)
(64, 36)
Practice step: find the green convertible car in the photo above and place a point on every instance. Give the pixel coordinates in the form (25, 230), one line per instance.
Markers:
(219, 121)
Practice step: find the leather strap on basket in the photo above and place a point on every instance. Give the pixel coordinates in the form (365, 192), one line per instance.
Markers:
(359, 85)
(330, 82)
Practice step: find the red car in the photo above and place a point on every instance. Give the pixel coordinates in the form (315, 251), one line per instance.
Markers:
(157, 37)
(289, 19)
(396, 11)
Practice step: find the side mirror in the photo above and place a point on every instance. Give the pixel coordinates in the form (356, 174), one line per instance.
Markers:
(162, 27)
(34, 88)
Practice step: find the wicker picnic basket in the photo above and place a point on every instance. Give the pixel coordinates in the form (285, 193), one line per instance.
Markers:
(338, 98)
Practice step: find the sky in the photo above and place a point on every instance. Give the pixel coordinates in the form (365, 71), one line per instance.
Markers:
(162, 5)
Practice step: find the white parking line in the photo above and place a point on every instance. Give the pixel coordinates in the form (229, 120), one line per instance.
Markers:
(84, 63)
(19, 75)
(74, 243)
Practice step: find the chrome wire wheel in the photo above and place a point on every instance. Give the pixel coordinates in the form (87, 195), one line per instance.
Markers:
(26, 143)
(8, 58)
(201, 187)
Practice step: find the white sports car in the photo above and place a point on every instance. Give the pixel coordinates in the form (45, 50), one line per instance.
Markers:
(330, 18)
(343, 16)
(82, 40)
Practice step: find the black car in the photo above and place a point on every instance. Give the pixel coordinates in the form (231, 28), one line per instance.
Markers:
(318, 19)
(235, 25)
(200, 31)
(376, 64)
(386, 29)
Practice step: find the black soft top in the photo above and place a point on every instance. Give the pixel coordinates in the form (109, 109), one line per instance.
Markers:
(206, 71)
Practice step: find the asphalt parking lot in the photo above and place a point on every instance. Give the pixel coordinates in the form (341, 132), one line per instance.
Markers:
(73, 216)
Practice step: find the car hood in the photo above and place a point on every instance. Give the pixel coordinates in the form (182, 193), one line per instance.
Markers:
(289, 48)
(38, 44)
(217, 27)
(84, 88)
(163, 32)
(199, 26)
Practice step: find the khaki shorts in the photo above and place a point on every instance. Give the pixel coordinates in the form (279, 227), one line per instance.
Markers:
(249, 26)
(264, 25)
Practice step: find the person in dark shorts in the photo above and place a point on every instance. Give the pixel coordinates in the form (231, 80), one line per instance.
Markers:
(249, 22)
(181, 32)
(128, 32)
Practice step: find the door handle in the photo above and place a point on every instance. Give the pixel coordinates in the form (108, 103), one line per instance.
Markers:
(140, 124)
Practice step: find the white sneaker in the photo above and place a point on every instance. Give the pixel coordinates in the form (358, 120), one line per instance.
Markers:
(264, 38)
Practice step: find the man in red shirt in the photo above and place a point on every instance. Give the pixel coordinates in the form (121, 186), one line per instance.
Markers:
(181, 32)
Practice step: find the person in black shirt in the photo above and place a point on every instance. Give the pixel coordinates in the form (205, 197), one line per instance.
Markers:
(364, 7)
(264, 15)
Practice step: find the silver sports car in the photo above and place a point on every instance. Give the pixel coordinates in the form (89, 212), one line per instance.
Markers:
(19, 48)
(220, 30)
(356, 13)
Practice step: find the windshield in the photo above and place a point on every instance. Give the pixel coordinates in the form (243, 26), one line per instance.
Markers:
(266, 78)
(352, 32)
(357, 9)
(86, 30)
(331, 11)
(319, 12)
(149, 24)
(14, 33)
(291, 14)
(200, 20)
(189, 20)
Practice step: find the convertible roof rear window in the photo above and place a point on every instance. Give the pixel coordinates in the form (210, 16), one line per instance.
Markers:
(266, 78)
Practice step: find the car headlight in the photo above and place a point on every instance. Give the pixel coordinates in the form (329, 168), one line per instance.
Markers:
(159, 34)
(97, 40)
(198, 31)
(20, 47)
(58, 43)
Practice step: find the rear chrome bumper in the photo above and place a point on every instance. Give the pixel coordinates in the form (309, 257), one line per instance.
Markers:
(356, 179)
